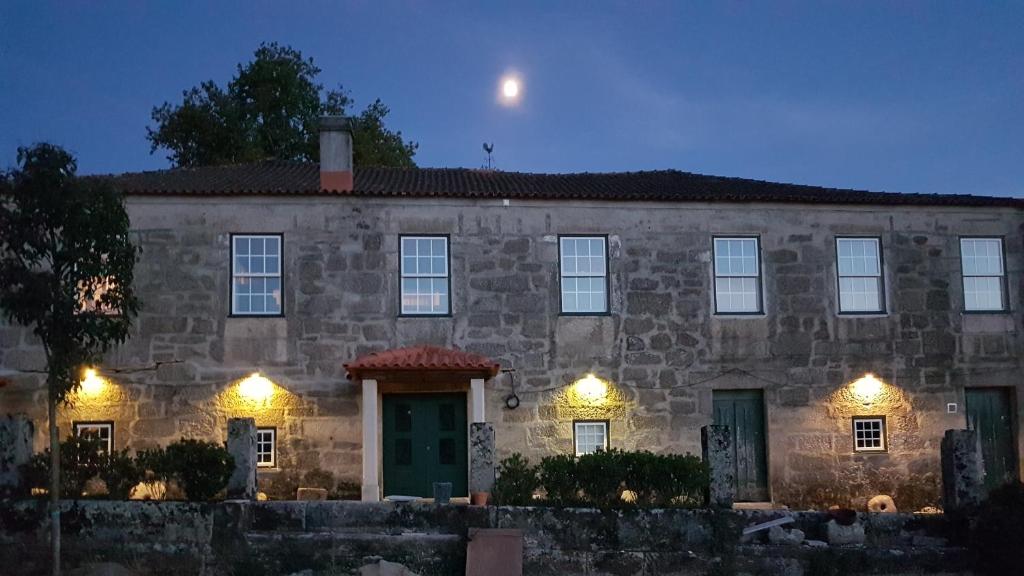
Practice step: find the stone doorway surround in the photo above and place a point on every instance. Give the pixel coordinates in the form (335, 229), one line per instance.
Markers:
(417, 369)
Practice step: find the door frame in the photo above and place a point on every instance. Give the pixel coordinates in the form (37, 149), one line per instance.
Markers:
(372, 410)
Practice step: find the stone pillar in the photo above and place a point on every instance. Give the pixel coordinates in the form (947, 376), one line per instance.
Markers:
(476, 389)
(242, 446)
(963, 471)
(371, 461)
(716, 449)
(481, 457)
(15, 449)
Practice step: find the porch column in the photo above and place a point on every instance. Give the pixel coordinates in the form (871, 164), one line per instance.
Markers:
(371, 484)
(476, 387)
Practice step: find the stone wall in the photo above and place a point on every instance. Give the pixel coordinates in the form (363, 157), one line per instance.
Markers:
(662, 347)
(335, 538)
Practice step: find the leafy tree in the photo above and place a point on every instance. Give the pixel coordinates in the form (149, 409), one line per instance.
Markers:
(270, 109)
(66, 265)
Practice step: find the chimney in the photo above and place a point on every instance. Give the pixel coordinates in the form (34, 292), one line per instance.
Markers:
(335, 154)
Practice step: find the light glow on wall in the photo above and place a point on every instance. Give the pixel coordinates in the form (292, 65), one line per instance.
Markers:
(92, 384)
(867, 389)
(256, 388)
(591, 390)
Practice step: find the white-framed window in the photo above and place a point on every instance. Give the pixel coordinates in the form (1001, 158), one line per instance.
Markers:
(102, 431)
(583, 263)
(737, 265)
(859, 265)
(984, 273)
(256, 274)
(266, 447)
(869, 434)
(590, 436)
(425, 276)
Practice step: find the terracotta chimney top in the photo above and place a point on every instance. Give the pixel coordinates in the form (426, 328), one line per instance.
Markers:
(335, 154)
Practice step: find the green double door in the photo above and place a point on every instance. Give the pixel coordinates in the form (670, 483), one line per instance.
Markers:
(743, 412)
(990, 412)
(425, 440)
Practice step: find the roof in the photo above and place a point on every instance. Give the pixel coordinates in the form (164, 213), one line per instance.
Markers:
(281, 178)
(422, 359)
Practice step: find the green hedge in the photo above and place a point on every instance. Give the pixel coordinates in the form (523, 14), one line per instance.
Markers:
(607, 479)
(200, 468)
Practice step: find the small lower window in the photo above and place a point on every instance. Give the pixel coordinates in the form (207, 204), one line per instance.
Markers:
(869, 434)
(590, 436)
(102, 431)
(266, 447)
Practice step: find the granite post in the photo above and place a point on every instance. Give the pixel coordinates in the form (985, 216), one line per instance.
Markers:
(716, 449)
(15, 449)
(242, 447)
(481, 457)
(963, 471)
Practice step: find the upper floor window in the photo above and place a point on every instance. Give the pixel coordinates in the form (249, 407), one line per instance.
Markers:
(737, 276)
(256, 275)
(981, 260)
(425, 275)
(859, 262)
(583, 261)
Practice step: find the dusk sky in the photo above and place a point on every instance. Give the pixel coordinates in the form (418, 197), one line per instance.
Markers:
(908, 96)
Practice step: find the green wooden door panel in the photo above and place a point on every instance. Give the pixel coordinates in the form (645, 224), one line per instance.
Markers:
(990, 412)
(743, 412)
(424, 441)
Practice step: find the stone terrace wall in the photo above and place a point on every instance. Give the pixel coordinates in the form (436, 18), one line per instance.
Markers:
(661, 346)
(277, 538)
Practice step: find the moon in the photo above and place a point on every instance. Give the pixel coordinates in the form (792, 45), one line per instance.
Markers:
(510, 88)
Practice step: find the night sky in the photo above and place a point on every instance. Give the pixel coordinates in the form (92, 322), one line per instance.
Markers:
(908, 96)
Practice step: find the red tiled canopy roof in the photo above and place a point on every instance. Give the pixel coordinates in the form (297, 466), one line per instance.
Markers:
(422, 359)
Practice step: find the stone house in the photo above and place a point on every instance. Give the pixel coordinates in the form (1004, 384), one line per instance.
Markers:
(364, 316)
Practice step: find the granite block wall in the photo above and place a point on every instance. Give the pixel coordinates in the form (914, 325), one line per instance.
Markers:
(662, 347)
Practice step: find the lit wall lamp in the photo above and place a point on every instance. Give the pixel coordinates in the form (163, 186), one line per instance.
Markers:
(92, 384)
(867, 389)
(591, 390)
(256, 387)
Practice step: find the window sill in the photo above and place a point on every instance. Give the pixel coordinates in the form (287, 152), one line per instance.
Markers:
(256, 315)
(445, 315)
(739, 315)
(585, 314)
(881, 314)
(986, 312)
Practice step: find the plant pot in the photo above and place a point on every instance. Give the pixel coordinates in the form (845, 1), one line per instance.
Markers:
(442, 492)
(479, 498)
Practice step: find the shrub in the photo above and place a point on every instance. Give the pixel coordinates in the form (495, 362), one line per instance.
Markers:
(601, 475)
(665, 479)
(997, 534)
(559, 478)
(201, 468)
(346, 490)
(120, 472)
(318, 478)
(79, 462)
(516, 481)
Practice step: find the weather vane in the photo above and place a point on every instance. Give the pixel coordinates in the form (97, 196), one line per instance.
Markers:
(490, 161)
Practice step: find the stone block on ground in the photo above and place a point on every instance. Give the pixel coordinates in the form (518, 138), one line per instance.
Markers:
(839, 535)
(385, 568)
(779, 535)
(242, 447)
(311, 494)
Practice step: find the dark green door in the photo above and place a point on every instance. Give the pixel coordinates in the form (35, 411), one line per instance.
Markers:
(425, 441)
(743, 412)
(989, 411)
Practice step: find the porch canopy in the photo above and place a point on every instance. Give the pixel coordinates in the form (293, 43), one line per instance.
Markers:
(417, 369)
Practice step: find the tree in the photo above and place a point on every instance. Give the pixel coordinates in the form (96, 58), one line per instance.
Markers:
(270, 109)
(66, 264)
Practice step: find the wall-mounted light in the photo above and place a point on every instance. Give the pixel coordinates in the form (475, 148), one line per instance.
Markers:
(92, 384)
(256, 387)
(867, 388)
(591, 389)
